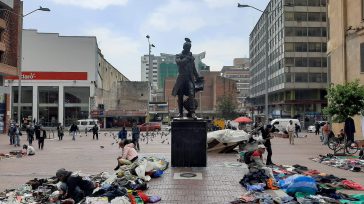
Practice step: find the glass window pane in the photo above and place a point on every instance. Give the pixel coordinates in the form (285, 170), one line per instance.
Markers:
(314, 62)
(314, 31)
(301, 31)
(48, 94)
(289, 61)
(301, 77)
(289, 47)
(300, 2)
(26, 96)
(314, 16)
(314, 47)
(72, 114)
(300, 47)
(48, 116)
(300, 16)
(301, 62)
(313, 3)
(76, 95)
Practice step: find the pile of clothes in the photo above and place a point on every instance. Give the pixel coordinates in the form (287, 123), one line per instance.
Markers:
(300, 185)
(350, 163)
(124, 186)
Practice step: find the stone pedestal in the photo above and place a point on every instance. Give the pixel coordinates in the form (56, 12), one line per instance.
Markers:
(189, 143)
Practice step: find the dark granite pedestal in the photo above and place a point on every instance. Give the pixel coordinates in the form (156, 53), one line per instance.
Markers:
(189, 143)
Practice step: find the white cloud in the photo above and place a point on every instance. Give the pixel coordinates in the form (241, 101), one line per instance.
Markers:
(121, 51)
(92, 4)
(220, 3)
(221, 51)
(184, 16)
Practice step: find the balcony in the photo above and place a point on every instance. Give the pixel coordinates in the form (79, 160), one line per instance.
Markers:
(2, 24)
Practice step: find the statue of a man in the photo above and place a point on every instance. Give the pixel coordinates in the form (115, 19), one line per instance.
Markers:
(185, 83)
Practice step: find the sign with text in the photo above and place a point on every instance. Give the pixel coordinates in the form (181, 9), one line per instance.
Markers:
(50, 76)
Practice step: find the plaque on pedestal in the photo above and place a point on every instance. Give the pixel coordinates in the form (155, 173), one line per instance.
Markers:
(189, 145)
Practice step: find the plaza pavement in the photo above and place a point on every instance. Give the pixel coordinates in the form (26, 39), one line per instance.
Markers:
(219, 182)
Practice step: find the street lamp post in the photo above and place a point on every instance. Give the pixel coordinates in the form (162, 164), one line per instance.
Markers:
(150, 73)
(265, 13)
(20, 54)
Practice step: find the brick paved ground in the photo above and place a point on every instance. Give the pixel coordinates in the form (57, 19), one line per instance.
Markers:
(219, 183)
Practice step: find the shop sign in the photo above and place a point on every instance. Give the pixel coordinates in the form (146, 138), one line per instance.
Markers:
(50, 76)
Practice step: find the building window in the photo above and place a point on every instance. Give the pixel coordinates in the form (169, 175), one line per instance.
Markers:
(314, 47)
(314, 31)
(314, 62)
(300, 16)
(301, 77)
(313, 3)
(76, 104)
(301, 62)
(48, 105)
(300, 47)
(288, 47)
(300, 2)
(26, 109)
(314, 16)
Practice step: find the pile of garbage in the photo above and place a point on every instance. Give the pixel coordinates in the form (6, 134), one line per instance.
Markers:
(124, 186)
(351, 163)
(12, 154)
(224, 141)
(298, 184)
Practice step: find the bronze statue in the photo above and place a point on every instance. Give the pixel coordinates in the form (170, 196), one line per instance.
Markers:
(185, 83)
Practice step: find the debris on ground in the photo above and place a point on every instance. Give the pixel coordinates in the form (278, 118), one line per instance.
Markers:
(124, 186)
(351, 163)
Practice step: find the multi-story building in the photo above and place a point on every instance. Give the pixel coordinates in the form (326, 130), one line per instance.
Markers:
(165, 66)
(215, 87)
(241, 74)
(61, 78)
(297, 65)
(346, 47)
(10, 32)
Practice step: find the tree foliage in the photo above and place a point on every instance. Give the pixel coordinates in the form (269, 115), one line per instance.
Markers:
(227, 107)
(345, 101)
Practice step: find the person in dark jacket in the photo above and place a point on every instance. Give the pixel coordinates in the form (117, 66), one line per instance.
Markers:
(30, 134)
(95, 131)
(74, 130)
(135, 133)
(349, 129)
(60, 131)
(37, 131)
(76, 187)
(122, 135)
(266, 136)
(42, 136)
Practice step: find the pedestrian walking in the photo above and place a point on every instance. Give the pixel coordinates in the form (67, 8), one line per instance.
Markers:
(17, 136)
(326, 131)
(317, 130)
(290, 129)
(297, 129)
(41, 139)
(60, 131)
(95, 132)
(86, 130)
(11, 133)
(73, 131)
(37, 131)
(123, 134)
(30, 133)
(135, 135)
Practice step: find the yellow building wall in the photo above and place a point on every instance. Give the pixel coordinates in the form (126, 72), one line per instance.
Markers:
(344, 47)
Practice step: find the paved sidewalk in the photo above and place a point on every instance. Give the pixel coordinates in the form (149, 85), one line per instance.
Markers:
(218, 183)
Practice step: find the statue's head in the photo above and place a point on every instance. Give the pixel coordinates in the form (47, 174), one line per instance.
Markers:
(187, 45)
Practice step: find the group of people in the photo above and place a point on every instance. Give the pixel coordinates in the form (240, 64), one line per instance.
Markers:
(36, 130)
(326, 131)
(135, 135)
(74, 129)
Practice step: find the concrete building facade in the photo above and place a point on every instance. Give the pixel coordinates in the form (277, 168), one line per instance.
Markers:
(61, 76)
(241, 74)
(165, 66)
(297, 64)
(346, 47)
(215, 87)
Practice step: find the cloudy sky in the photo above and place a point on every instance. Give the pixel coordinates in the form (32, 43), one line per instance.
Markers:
(215, 26)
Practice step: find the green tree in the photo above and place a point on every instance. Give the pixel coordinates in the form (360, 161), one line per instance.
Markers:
(226, 106)
(345, 101)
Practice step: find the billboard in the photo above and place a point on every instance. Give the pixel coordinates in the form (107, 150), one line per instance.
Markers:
(9, 3)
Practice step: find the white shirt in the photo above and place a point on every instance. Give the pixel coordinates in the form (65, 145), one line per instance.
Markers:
(290, 128)
(30, 150)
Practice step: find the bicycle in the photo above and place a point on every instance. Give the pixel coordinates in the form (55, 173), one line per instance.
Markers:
(337, 144)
